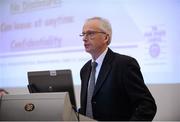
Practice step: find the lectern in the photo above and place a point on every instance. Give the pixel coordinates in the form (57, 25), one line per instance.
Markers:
(37, 107)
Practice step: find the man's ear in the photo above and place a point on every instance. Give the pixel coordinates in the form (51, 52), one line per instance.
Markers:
(107, 38)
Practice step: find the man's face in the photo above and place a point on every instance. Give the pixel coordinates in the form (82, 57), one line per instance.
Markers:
(95, 40)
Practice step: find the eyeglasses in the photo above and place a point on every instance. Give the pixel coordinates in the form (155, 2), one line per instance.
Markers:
(90, 34)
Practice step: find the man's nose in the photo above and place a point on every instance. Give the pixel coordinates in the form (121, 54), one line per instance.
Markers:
(85, 38)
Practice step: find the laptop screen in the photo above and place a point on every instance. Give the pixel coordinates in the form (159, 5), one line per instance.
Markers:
(52, 81)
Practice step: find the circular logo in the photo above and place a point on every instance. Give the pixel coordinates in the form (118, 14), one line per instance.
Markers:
(154, 50)
(29, 107)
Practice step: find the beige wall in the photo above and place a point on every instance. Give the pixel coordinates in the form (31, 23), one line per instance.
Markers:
(167, 99)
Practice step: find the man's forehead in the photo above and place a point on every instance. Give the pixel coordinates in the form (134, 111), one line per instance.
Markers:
(91, 25)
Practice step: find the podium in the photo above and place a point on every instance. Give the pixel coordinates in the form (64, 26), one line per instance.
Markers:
(37, 107)
(85, 118)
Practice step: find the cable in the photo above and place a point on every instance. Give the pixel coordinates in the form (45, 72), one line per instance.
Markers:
(76, 112)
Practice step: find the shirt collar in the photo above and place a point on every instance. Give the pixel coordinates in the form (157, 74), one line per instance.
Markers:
(100, 59)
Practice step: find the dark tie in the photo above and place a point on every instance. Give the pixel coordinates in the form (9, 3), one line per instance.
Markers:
(90, 90)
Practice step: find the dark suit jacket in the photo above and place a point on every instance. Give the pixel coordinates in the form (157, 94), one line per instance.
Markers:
(120, 92)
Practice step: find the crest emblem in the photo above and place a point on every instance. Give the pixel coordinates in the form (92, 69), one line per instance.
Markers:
(29, 107)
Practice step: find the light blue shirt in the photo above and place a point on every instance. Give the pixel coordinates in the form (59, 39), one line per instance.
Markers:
(99, 60)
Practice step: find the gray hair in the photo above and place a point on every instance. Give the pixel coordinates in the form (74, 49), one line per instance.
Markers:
(105, 26)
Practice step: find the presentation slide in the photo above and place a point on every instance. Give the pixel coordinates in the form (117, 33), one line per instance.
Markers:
(40, 35)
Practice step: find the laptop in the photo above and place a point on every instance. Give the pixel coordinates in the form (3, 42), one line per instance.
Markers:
(52, 81)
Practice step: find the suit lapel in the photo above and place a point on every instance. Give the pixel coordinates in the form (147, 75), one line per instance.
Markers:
(86, 75)
(104, 71)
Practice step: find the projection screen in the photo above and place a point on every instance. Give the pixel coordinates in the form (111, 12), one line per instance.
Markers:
(44, 35)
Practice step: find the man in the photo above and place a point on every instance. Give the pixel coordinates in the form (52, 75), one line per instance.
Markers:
(120, 92)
